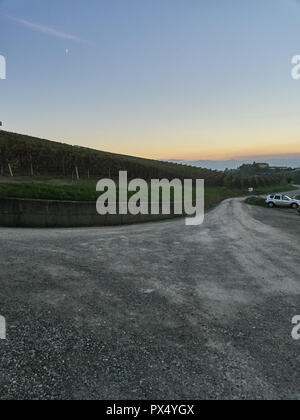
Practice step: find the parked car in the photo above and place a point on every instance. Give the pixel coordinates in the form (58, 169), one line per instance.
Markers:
(280, 200)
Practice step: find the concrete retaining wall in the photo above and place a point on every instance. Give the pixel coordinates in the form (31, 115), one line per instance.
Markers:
(48, 213)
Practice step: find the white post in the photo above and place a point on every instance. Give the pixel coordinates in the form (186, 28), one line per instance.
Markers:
(77, 173)
(2, 328)
(10, 170)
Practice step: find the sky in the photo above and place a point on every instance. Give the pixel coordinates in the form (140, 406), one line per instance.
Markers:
(163, 79)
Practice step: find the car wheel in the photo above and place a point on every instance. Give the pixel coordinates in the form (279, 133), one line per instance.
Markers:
(271, 205)
(295, 206)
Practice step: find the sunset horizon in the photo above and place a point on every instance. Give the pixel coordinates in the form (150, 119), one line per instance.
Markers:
(200, 156)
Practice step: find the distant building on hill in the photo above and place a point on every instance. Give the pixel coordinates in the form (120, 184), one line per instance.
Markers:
(254, 168)
(263, 165)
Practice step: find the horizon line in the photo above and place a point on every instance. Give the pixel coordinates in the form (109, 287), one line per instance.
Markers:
(240, 158)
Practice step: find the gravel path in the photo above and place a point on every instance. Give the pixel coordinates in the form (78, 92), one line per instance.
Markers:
(159, 311)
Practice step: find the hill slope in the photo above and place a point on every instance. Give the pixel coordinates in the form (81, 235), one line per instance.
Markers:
(33, 156)
(22, 155)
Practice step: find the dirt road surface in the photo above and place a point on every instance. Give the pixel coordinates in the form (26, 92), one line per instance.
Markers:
(156, 311)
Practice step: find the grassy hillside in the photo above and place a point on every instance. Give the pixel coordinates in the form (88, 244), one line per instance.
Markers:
(30, 156)
(43, 169)
(26, 156)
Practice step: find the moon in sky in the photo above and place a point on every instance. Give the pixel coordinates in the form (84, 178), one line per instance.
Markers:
(67, 51)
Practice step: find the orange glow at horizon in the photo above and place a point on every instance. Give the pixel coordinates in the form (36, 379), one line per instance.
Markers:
(221, 141)
(192, 151)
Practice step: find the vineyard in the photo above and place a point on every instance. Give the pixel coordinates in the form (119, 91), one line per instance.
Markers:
(22, 155)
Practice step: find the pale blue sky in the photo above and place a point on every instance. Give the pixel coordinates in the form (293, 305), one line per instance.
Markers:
(189, 79)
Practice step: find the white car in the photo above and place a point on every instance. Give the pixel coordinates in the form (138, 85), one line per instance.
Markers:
(279, 200)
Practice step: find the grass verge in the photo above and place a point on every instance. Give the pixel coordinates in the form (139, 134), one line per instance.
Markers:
(86, 191)
(256, 201)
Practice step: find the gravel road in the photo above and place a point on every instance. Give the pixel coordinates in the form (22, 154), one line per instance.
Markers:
(160, 311)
